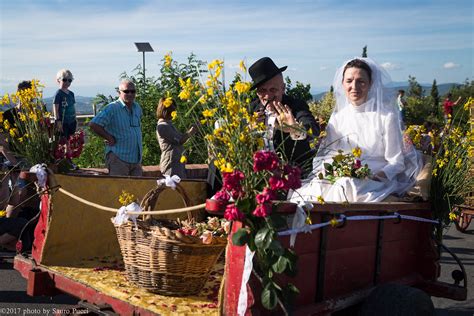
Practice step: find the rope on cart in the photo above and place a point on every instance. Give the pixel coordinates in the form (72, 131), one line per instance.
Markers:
(114, 210)
(343, 218)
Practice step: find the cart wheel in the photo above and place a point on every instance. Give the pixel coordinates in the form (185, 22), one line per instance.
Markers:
(462, 222)
(397, 300)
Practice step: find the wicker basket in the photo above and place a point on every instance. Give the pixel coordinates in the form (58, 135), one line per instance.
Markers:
(160, 259)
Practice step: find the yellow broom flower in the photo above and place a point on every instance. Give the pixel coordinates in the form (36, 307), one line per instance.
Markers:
(168, 102)
(357, 152)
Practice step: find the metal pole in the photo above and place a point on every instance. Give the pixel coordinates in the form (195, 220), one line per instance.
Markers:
(144, 67)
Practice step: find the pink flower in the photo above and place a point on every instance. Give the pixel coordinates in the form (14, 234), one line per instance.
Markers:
(357, 164)
(266, 196)
(76, 144)
(237, 193)
(265, 160)
(292, 177)
(226, 226)
(61, 149)
(276, 183)
(232, 181)
(263, 210)
(206, 237)
(232, 213)
(222, 195)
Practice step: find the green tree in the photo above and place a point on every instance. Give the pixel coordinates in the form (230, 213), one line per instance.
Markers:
(149, 91)
(364, 51)
(414, 88)
(167, 84)
(300, 91)
(93, 153)
(435, 99)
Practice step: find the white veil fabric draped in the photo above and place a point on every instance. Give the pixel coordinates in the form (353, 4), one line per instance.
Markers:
(374, 127)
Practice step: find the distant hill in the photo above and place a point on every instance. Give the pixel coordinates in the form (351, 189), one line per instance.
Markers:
(395, 86)
(83, 104)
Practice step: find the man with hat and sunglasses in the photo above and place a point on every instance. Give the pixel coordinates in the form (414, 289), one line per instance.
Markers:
(119, 124)
(288, 120)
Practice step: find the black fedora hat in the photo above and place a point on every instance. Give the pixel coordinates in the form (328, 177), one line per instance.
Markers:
(263, 70)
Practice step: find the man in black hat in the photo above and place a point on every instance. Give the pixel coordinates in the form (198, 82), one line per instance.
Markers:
(288, 120)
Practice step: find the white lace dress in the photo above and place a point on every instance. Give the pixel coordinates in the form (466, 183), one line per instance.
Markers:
(379, 137)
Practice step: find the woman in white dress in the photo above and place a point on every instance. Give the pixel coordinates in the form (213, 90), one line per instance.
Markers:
(364, 117)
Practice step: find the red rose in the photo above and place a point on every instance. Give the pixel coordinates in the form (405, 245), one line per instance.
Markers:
(265, 160)
(357, 164)
(263, 210)
(232, 213)
(292, 177)
(266, 196)
(222, 196)
(232, 181)
(276, 183)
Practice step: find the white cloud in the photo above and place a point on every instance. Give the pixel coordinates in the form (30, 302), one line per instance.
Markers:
(450, 65)
(390, 66)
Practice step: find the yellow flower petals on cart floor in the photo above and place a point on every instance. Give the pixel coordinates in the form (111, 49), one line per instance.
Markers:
(115, 284)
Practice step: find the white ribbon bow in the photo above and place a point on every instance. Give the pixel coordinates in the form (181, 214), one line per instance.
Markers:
(123, 214)
(41, 174)
(169, 181)
(299, 220)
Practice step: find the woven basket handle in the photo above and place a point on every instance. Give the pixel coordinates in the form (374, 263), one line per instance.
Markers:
(149, 200)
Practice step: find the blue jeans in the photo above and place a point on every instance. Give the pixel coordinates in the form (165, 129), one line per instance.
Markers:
(69, 128)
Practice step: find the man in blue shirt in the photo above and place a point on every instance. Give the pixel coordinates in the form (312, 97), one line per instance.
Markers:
(119, 124)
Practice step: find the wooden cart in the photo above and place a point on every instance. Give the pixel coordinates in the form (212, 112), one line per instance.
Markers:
(76, 252)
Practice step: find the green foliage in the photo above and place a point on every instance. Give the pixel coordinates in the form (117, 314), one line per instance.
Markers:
(465, 91)
(271, 259)
(414, 88)
(168, 85)
(452, 179)
(322, 109)
(240, 237)
(300, 91)
(419, 110)
(93, 153)
(435, 94)
(149, 92)
(364, 51)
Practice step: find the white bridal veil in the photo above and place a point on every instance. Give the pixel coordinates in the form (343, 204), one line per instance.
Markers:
(373, 126)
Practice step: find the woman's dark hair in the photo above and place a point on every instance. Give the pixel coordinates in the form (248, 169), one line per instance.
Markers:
(163, 112)
(24, 85)
(357, 63)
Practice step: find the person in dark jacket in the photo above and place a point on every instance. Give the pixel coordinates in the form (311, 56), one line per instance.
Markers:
(290, 125)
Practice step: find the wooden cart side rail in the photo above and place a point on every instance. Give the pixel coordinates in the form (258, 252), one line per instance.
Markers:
(51, 282)
(331, 207)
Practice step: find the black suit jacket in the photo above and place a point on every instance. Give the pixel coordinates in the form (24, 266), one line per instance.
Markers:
(297, 152)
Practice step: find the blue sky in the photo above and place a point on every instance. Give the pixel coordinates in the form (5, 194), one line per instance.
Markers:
(94, 39)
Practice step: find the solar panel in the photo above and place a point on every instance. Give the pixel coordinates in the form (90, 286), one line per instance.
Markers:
(144, 47)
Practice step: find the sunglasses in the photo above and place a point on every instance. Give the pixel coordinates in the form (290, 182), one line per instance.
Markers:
(66, 80)
(129, 91)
